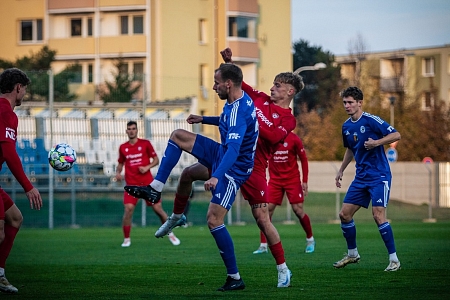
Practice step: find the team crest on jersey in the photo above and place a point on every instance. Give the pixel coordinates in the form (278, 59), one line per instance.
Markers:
(355, 137)
(139, 148)
(275, 116)
(285, 144)
(126, 149)
(362, 129)
(249, 103)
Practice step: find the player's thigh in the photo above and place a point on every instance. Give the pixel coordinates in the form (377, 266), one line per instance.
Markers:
(207, 151)
(358, 194)
(275, 192)
(184, 139)
(379, 192)
(294, 192)
(128, 199)
(254, 189)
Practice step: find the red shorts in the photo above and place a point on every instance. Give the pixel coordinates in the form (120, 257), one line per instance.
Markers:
(6, 203)
(127, 199)
(293, 189)
(254, 190)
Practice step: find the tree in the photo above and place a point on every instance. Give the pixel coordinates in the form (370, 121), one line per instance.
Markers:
(322, 86)
(36, 66)
(122, 89)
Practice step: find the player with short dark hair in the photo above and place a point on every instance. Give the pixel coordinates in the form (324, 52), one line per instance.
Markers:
(364, 136)
(13, 87)
(138, 156)
(284, 177)
(230, 162)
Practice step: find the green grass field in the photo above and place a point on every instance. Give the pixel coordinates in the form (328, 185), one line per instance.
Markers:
(88, 263)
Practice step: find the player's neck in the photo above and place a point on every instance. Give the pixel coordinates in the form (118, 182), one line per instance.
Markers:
(133, 141)
(357, 115)
(235, 95)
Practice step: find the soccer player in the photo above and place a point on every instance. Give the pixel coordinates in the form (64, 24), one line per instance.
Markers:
(13, 86)
(138, 156)
(230, 162)
(285, 178)
(364, 136)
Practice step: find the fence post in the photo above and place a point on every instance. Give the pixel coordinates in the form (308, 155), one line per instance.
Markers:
(50, 170)
(430, 189)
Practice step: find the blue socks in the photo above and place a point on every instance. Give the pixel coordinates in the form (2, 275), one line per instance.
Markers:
(349, 232)
(387, 236)
(226, 248)
(170, 158)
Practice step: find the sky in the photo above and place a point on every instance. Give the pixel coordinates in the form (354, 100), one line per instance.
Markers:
(383, 24)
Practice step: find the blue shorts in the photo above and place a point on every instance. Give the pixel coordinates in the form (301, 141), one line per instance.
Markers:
(361, 192)
(210, 153)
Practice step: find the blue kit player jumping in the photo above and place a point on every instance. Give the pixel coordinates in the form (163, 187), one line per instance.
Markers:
(230, 162)
(364, 136)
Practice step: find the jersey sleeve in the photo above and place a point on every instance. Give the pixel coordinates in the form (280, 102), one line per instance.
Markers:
(279, 133)
(252, 92)
(211, 120)
(151, 151)
(122, 157)
(15, 165)
(301, 153)
(237, 126)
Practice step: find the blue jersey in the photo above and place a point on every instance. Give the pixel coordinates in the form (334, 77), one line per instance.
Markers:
(370, 164)
(238, 127)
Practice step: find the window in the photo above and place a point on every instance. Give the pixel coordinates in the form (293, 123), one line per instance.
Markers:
(242, 27)
(428, 101)
(31, 30)
(202, 31)
(428, 67)
(75, 27)
(124, 24)
(89, 26)
(77, 73)
(90, 73)
(138, 71)
(137, 25)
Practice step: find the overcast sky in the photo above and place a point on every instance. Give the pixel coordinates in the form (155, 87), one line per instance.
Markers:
(384, 24)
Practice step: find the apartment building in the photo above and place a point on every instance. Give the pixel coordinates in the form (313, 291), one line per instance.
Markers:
(172, 46)
(416, 74)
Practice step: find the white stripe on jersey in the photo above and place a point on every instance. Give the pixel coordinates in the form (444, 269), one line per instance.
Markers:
(376, 118)
(231, 190)
(233, 114)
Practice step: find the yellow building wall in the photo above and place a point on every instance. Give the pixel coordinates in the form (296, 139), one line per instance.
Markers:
(11, 13)
(275, 41)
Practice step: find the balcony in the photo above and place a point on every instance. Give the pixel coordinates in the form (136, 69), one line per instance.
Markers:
(392, 84)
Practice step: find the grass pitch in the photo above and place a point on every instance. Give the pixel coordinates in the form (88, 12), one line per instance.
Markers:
(88, 263)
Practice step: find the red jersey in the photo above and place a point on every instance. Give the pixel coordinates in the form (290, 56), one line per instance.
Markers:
(134, 156)
(274, 122)
(283, 164)
(8, 137)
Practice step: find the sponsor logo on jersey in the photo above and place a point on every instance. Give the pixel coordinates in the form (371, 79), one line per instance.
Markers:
(362, 129)
(10, 134)
(249, 170)
(266, 103)
(234, 136)
(263, 118)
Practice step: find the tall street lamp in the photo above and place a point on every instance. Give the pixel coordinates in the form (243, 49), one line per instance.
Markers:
(392, 100)
(316, 67)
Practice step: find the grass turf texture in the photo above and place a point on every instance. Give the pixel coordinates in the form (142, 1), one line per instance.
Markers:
(88, 263)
